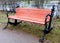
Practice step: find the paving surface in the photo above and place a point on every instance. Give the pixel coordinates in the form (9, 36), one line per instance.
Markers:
(11, 36)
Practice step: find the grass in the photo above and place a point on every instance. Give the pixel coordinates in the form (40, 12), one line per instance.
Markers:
(35, 29)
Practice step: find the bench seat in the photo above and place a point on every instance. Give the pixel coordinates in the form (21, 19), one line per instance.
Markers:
(31, 15)
(29, 19)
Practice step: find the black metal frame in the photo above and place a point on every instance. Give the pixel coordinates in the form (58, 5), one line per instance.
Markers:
(47, 29)
(8, 22)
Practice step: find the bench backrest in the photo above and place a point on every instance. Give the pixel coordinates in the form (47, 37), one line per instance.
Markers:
(32, 12)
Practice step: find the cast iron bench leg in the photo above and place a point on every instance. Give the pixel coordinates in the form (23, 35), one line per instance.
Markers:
(44, 34)
(15, 23)
(6, 24)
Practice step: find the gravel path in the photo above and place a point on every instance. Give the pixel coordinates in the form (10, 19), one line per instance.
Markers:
(12, 36)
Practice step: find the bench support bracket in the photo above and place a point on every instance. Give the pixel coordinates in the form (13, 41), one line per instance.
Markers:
(12, 23)
(48, 26)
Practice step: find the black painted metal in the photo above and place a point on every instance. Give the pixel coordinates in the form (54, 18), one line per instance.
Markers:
(9, 22)
(48, 27)
(14, 23)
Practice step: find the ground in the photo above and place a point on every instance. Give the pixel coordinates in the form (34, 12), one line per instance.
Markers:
(12, 36)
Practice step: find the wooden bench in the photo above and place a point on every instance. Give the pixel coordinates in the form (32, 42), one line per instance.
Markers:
(34, 15)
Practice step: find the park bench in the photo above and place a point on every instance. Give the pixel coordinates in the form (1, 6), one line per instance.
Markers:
(34, 15)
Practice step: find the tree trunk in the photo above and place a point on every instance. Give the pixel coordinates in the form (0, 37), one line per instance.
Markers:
(28, 1)
(41, 3)
(37, 3)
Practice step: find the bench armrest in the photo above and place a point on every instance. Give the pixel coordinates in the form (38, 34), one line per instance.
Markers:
(46, 20)
(47, 17)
